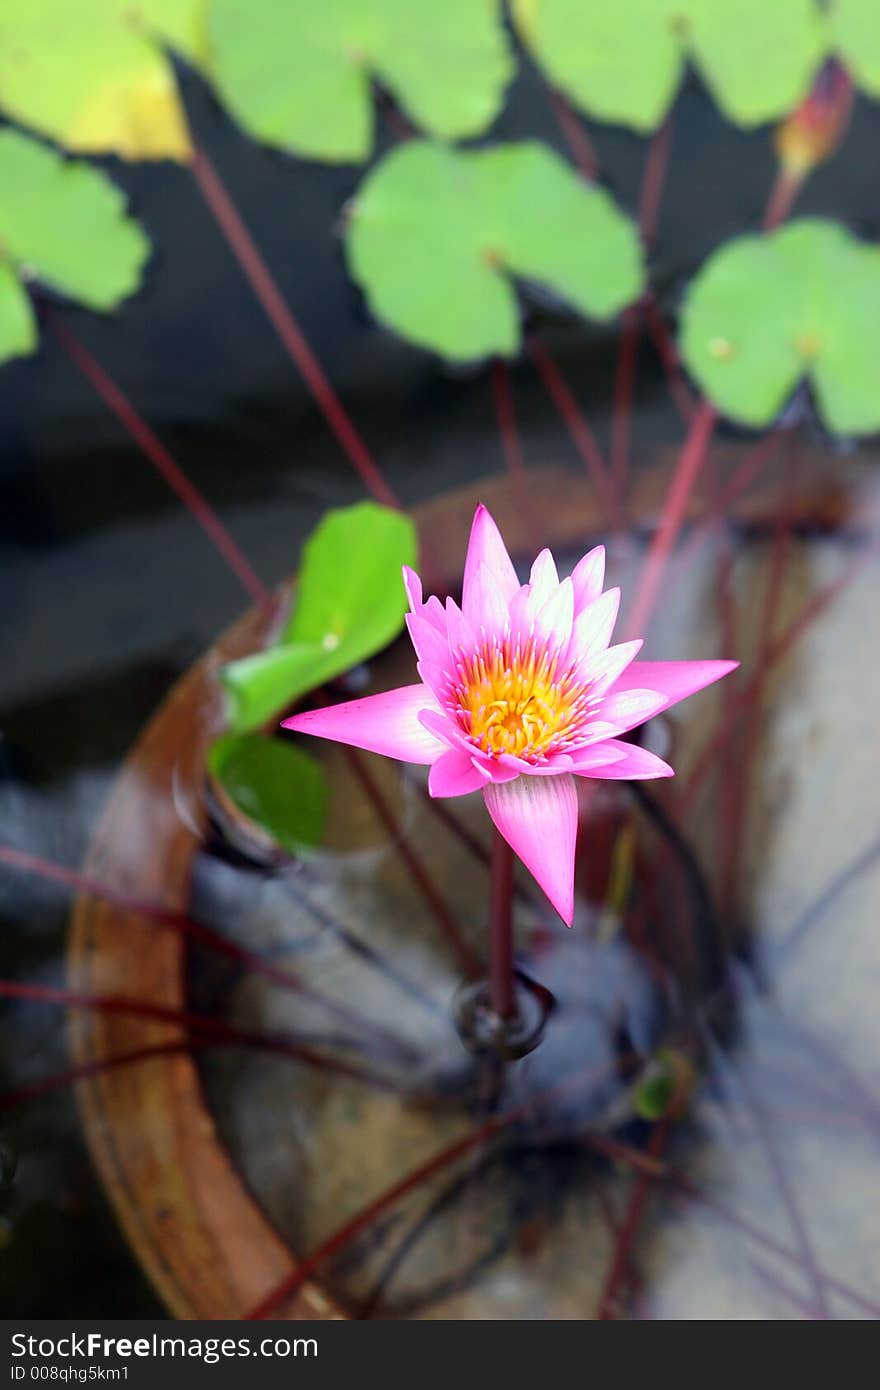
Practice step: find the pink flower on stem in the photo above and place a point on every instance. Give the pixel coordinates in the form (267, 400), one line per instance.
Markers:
(521, 691)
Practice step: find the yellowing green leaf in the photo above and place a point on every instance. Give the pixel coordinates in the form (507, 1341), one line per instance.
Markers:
(299, 75)
(436, 235)
(92, 74)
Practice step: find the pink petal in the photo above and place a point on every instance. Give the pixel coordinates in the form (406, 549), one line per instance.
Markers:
(432, 648)
(438, 723)
(462, 637)
(413, 586)
(624, 760)
(624, 709)
(486, 547)
(387, 723)
(553, 622)
(538, 818)
(604, 670)
(558, 762)
(490, 768)
(543, 581)
(602, 754)
(593, 627)
(488, 612)
(432, 610)
(454, 774)
(674, 680)
(521, 616)
(588, 576)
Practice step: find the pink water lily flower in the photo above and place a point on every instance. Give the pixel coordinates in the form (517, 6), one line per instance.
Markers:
(521, 691)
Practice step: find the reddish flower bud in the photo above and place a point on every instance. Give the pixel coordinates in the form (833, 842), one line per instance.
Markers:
(813, 131)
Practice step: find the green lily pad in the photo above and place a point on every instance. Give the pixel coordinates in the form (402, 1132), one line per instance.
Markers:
(349, 604)
(623, 62)
(436, 235)
(274, 784)
(18, 330)
(299, 75)
(766, 311)
(65, 223)
(92, 74)
(854, 33)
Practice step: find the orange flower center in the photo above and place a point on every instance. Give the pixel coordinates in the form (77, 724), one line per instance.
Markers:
(519, 701)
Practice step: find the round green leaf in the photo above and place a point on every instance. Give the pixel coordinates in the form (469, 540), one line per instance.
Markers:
(619, 62)
(854, 27)
(623, 62)
(767, 310)
(349, 604)
(299, 75)
(350, 596)
(18, 331)
(757, 59)
(92, 74)
(65, 223)
(436, 234)
(275, 784)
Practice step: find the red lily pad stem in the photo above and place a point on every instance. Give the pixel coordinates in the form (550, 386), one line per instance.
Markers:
(575, 421)
(511, 443)
(575, 134)
(671, 518)
(653, 178)
(281, 317)
(153, 448)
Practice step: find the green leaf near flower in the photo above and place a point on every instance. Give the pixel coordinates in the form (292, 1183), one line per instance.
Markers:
(623, 62)
(65, 223)
(766, 311)
(300, 75)
(18, 331)
(436, 237)
(93, 74)
(349, 604)
(273, 783)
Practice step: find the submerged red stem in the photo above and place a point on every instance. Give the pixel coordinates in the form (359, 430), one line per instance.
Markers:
(476, 1138)
(194, 931)
(216, 1028)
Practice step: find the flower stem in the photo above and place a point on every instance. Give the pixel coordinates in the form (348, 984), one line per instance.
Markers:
(502, 996)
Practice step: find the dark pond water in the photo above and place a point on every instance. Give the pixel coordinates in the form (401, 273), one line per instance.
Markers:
(111, 594)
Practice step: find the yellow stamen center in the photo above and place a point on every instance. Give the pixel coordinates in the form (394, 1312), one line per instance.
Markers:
(516, 699)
